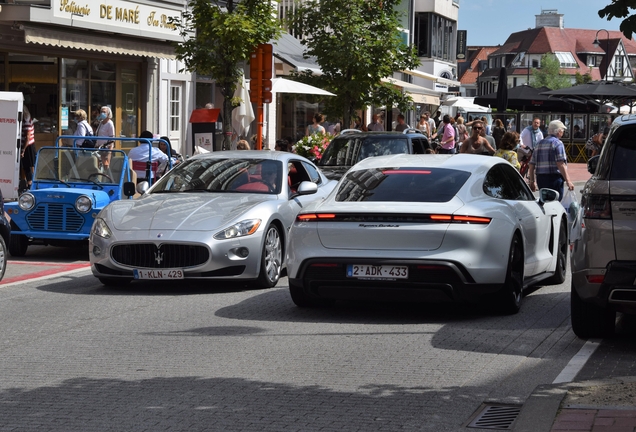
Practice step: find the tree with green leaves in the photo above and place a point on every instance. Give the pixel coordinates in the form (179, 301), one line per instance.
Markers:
(549, 75)
(621, 9)
(582, 78)
(219, 38)
(356, 43)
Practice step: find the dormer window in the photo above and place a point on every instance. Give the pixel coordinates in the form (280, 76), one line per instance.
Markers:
(566, 59)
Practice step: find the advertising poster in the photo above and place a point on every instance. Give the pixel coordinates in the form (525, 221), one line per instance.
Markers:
(203, 140)
(10, 128)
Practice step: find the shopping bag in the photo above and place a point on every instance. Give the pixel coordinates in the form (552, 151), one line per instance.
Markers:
(572, 209)
(568, 198)
(575, 220)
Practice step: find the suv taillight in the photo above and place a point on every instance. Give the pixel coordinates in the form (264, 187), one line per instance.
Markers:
(596, 206)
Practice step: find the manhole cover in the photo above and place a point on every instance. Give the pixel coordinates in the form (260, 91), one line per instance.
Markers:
(499, 417)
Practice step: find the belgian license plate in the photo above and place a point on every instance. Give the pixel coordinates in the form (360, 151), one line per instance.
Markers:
(360, 271)
(158, 274)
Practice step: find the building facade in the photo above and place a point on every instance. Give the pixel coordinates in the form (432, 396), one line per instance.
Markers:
(66, 56)
(601, 54)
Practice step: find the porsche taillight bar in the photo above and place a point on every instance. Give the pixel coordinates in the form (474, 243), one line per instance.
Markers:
(316, 217)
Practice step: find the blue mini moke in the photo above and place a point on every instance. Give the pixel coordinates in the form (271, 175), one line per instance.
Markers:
(70, 187)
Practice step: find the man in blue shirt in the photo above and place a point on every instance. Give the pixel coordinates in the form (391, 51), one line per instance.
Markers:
(549, 162)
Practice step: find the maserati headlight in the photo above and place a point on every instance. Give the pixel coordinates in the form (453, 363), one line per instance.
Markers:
(101, 229)
(240, 229)
(83, 204)
(26, 201)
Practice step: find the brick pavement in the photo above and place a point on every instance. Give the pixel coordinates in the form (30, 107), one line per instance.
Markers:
(595, 420)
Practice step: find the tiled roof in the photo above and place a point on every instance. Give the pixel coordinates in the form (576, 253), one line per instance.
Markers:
(554, 39)
(481, 53)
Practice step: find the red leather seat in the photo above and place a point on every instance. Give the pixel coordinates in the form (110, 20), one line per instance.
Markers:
(140, 169)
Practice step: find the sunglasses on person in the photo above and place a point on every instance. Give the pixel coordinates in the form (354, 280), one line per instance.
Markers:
(477, 127)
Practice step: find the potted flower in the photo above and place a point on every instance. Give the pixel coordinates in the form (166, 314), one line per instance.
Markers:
(313, 146)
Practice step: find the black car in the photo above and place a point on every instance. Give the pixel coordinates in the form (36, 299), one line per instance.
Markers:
(5, 233)
(349, 148)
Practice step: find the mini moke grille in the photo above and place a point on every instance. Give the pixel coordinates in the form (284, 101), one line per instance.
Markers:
(149, 255)
(55, 217)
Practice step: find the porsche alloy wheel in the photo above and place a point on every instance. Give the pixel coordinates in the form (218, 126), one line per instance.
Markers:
(561, 257)
(509, 298)
(271, 258)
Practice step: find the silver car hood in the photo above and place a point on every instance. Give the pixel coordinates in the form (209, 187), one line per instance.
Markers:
(185, 212)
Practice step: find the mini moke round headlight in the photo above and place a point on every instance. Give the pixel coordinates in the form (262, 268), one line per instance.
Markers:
(83, 204)
(26, 201)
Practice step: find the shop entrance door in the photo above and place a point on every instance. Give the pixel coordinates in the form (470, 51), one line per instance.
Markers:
(175, 116)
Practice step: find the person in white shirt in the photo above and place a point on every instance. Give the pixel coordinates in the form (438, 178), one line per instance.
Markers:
(531, 135)
(375, 125)
(139, 156)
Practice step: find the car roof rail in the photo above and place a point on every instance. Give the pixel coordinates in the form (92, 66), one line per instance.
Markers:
(345, 131)
(413, 130)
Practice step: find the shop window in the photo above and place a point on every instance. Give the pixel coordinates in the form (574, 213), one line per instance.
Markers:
(130, 105)
(103, 71)
(73, 68)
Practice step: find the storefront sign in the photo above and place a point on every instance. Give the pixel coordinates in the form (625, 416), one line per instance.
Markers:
(119, 16)
(461, 44)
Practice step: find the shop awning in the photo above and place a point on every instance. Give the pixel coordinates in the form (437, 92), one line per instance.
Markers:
(419, 94)
(289, 49)
(88, 42)
(431, 77)
(282, 85)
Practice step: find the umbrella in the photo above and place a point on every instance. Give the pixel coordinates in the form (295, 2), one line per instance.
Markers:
(597, 92)
(502, 91)
(243, 115)
(527, 98)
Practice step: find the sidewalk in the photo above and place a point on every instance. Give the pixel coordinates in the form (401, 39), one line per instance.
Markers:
(586, 406)
(578, 172)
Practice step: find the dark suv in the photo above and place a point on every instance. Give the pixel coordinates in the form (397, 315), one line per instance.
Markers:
(603, 257)
(349, 148)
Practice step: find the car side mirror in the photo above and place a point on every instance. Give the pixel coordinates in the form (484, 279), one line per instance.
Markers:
(548, 195)
(307, 188)
(129, 189)
(592, 164)
(143, 187)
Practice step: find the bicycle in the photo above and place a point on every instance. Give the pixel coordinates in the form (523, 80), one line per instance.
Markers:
(525, 162)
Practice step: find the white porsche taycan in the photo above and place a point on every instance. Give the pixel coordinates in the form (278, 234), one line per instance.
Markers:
(428, 228)
(217, 216)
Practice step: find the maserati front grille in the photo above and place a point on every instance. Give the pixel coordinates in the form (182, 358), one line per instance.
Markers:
(166, 255)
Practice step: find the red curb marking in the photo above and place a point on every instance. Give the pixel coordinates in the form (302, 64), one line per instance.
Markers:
(58, 269)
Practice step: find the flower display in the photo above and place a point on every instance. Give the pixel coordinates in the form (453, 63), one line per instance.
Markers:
(313, 146)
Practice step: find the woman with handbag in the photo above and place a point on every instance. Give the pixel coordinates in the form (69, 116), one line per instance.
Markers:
(105, 129)
(83, 129)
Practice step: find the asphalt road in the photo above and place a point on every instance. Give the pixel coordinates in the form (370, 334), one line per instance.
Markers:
(77, 356)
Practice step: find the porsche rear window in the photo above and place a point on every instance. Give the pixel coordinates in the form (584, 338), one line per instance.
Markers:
(402, 185)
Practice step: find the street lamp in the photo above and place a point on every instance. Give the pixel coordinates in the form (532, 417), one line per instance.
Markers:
(596, 43)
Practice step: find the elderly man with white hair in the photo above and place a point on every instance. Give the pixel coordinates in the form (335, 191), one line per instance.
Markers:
(549, 161)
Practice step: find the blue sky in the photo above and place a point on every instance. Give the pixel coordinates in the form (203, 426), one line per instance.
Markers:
(490, 22)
